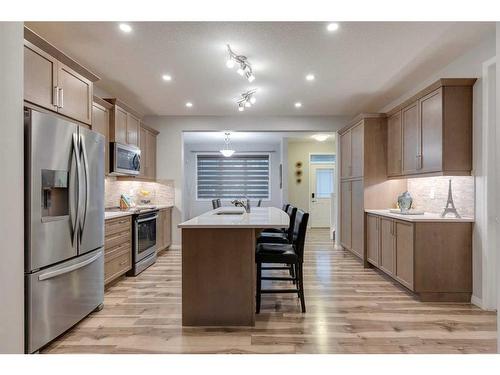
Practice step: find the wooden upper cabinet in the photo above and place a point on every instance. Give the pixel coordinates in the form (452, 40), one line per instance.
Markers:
(151, 160)
(411, 138)
(345, 213)
(40, 77)
(404, 253)
(143, 144)
(431, 132)
(436, 127)
(132, 130)
(372, 240)
(345, 154)
(75, 94)
(54, 81)
(357, 218)
(100, 124)
(118, 127)
(394, 145)
(357, 150)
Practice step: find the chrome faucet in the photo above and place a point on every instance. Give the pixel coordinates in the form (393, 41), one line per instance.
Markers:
(241, 203)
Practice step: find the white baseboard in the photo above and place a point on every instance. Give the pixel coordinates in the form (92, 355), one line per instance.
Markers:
(175, 247)
(477, 301)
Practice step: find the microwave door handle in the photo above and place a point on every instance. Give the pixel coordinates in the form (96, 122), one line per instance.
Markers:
(76, 155)
(74, 267)
(83, 219)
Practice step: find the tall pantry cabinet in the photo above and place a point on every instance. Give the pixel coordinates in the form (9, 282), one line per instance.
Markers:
(363, 173)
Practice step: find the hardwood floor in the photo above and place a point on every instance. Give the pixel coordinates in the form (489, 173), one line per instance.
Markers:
(349, 310)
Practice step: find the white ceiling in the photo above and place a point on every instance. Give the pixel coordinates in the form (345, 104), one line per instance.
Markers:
(246, 138)
(360, 67)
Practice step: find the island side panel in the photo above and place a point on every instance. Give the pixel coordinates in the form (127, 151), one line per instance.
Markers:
(218, 277)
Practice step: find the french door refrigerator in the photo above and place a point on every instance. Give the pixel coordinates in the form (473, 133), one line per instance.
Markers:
(64, 225)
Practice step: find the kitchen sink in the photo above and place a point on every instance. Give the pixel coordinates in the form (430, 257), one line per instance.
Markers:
(229, 213)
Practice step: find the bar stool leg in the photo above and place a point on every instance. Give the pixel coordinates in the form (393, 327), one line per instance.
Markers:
(300, 273)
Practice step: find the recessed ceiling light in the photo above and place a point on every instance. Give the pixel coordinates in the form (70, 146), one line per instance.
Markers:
(126, 28)
(166, 77)
(189, 104)
(298, 105)
(334, 26)
(310, 77)
(320, 137)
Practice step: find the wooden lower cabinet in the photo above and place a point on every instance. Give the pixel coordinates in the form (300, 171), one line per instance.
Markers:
(117, 248)
(345, 214)
(357, 218)
(432, 259)
(164, 228)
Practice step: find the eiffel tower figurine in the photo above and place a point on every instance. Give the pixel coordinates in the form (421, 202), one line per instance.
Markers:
(450, 206)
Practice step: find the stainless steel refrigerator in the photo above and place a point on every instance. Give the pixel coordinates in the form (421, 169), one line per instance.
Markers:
(64, 225)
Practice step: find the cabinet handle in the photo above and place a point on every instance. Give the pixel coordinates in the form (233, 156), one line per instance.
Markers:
(61, 97)
(419, 161)
(55, 97)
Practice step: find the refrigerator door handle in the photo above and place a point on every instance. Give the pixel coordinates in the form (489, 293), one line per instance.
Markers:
(76, 153)
(83, 219)
(62, 271)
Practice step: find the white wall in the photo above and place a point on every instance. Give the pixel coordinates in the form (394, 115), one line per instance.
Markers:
(469, 65)
(169, 147)
(11, 189)
(498, 120)
(195, 207)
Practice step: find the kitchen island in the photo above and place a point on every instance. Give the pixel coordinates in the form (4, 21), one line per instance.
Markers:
(218, 264)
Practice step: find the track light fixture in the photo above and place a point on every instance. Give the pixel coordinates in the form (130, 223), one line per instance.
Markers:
(244, 68)
(246, 100)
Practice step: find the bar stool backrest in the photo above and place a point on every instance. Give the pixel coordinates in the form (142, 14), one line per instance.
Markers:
(299, 232)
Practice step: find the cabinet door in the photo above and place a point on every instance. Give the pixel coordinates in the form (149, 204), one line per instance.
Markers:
(75, 94)
(132, 130)
(100, 124)
(151, 161)
(143, 145)
(357, 218)
(118, 130)
(387, 245)
(160, 231)
(168, 227)
(345, 155)
(372, 239)
(431, 129)
(404, 253)
(394, 147)
(357, 134)
(40, 77)
(411, 138)
(345, 214)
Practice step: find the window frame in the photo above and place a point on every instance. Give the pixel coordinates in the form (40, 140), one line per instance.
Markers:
(236, 154)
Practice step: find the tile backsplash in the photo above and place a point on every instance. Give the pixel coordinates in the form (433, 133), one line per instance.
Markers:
(161, 192)
(431, 193)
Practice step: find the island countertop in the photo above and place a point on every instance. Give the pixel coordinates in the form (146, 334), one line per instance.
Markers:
(236, 217)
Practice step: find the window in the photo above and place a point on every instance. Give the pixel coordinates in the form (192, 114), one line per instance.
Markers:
(242, 176)
(324, 182)
(323, 158)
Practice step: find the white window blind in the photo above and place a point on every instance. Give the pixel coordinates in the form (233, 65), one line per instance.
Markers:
(234, 177)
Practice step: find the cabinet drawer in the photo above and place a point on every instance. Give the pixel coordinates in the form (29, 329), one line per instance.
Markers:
(118, 225)
(117, 266)
(111, 252)
(117, 239)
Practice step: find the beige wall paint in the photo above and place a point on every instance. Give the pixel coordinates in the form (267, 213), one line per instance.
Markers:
(298, 194)
(11, 188)
(497, 120)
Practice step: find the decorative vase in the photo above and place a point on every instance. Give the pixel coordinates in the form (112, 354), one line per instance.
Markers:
(404, 202)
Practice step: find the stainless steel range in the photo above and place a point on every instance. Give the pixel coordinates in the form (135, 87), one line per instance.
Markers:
(144, 240)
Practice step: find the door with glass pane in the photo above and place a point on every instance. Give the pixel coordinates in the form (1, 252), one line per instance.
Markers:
(322, 195)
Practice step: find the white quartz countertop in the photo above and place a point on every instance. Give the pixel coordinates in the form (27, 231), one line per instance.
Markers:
(426, 217)
(120, 213)
(259, 217)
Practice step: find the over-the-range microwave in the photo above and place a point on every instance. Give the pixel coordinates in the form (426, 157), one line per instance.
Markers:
(124, 159)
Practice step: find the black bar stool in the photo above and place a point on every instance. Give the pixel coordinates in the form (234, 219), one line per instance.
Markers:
(290, 254)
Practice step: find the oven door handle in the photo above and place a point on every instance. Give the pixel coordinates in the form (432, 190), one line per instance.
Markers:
(147, 219)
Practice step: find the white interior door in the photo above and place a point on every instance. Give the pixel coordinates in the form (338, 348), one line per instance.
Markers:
(321, 194)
